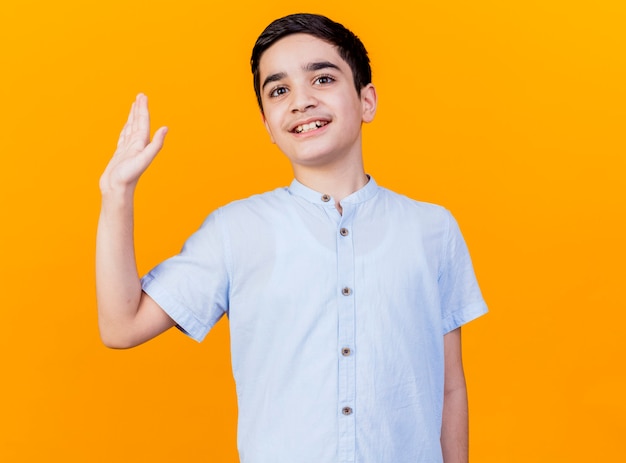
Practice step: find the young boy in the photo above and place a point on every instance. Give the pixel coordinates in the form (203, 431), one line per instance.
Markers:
(344, 299)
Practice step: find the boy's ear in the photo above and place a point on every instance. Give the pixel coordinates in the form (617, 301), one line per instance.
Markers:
(369, 100)
(267, 127)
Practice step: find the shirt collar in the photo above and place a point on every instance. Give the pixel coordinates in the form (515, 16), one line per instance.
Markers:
(363, 194)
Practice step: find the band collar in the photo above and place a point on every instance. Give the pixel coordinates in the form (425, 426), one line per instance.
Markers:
(323, 199)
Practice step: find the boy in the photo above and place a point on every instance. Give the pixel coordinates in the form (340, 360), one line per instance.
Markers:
(345, 300)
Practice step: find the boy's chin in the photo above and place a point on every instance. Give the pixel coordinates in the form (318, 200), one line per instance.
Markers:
(310, 160)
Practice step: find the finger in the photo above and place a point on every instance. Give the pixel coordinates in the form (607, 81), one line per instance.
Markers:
(161, 133)
(153, 148)
(131, 113)
(141, 123)
(124, 134)
(135, 108)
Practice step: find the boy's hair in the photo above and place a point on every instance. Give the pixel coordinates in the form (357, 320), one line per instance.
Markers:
(349, 46)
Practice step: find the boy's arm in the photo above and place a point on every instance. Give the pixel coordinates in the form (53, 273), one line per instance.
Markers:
(126, 316)
(454, 429)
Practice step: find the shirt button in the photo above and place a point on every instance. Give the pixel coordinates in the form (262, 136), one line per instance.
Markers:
(325, 198)
(346, 351)
(346, 291)
(346, 411)
(344, 232)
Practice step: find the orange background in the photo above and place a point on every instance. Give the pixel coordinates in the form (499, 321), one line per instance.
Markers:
(509, 113)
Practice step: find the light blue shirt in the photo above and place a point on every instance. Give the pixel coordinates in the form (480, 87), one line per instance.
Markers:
(336, 320)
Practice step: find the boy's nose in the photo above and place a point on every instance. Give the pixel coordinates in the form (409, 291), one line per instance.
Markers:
(302, 100)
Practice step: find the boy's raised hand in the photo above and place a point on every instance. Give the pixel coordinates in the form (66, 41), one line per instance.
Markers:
(126, 315)
(134, 151)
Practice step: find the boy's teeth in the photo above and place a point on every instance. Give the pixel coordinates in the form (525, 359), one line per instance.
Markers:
(311, 126)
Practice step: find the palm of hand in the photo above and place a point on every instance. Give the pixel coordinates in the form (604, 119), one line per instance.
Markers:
(134, 151)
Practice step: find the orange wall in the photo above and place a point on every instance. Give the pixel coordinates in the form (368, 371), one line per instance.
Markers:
(509, 113)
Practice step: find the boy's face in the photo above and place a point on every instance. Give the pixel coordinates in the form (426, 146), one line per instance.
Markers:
(310, 106)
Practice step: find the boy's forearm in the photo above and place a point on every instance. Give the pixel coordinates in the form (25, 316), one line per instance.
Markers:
(454, 426)
(454, 430)
(118, 288)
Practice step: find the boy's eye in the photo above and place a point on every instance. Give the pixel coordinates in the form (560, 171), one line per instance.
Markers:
(278, 91)
(321, 80)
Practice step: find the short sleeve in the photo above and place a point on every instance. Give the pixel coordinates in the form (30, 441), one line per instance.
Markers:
(192, 287)
(461, 298)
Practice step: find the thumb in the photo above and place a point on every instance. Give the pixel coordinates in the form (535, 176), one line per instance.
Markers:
(152, 148)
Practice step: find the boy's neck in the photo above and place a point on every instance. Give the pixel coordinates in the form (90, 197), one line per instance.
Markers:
(337, 183)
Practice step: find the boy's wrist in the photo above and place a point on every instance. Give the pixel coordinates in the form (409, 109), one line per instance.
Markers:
(117, 198)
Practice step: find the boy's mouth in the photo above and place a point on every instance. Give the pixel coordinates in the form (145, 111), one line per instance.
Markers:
(310, 126)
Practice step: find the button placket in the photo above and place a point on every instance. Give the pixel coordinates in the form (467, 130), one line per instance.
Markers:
(346, 335)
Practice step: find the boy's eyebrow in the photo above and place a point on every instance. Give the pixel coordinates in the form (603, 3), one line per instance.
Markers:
(310, 67)
(273, 78)
(320, 65)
